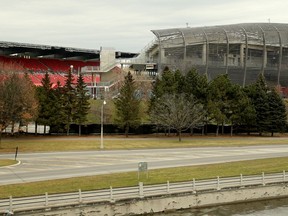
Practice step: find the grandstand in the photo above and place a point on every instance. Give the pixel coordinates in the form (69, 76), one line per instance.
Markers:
(36, 60)
(240, 50)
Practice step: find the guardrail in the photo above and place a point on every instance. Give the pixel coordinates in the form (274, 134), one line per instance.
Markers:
(140, 191)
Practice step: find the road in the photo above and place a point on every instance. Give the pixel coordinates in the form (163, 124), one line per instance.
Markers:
(45, 166)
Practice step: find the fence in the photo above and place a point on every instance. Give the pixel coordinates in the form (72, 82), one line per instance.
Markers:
(140, 191)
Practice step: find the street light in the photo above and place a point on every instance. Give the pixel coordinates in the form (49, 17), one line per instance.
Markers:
(102, 109)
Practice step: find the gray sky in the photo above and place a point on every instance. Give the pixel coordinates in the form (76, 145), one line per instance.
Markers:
(123, 24)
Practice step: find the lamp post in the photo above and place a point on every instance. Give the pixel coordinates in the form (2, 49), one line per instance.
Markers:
(101, 139)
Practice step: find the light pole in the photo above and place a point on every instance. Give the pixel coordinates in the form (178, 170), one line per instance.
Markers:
(101, 139)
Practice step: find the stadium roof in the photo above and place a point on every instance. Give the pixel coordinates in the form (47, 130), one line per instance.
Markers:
(46, 51)
(256, 33)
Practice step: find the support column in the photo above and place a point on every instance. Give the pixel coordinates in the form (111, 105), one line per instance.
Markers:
(206, 52)
(264, 62)
(246, 56)
(227, 51)
(204, 49)
(280, 56)
(242, 55)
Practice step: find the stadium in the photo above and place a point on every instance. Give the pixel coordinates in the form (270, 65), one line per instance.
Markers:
(98, 67)
(242, 51)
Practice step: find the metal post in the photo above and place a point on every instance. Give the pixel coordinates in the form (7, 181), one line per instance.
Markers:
(80, 196)
(263, 179)
(10, 203)
(46, 199)
(141, 191)
(194, 185)
(218, 183)
(168, 187)
(101, 139)
(111, 194)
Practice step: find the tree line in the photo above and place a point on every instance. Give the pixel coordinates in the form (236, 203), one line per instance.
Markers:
(59, 106)
(187, 101)
(177, 101)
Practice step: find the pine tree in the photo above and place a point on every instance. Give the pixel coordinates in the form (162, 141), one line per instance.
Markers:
(46, 102)
(82, 103)
(58, 117)
(277, 113)
(69, 101)
(259, 98)
(127, 105)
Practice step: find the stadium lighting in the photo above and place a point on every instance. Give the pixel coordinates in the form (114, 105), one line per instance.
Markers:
(101, 139)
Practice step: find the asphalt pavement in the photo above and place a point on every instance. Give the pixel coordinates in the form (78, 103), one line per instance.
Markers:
(57, 165)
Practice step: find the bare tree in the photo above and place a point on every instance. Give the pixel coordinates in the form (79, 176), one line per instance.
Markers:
(17, 98)
(176, 111)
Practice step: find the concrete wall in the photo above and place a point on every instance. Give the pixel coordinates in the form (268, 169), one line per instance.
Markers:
(168, 203)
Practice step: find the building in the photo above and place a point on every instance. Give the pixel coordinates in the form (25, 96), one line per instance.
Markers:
(240, 50)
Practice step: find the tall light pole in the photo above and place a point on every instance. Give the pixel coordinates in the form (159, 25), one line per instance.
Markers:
(101, 139)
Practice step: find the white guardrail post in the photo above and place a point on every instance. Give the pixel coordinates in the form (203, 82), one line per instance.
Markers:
(141, 190)
(218, 183)
(241, 180)
(168, 187)
(10, 203)
(194, 185)
(111, 194)
(284, 175)
(46, 199)
(80, 196)
(263, 179)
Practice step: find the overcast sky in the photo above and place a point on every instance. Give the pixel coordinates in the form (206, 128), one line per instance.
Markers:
(123, 24)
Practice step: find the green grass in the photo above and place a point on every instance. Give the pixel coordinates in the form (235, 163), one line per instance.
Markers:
(7, 162)
(155, 177)
(93, 143)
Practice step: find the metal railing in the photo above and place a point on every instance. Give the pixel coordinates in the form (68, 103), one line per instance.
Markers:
(140, 191)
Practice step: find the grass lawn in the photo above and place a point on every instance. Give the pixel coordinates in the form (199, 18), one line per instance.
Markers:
(7, 162)
(40, 144)
(155, 176)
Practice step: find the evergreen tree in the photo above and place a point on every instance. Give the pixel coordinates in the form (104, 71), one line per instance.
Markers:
(69, 100)
(179, 82)
(169, 85)
(277, 113)
(82, 103)
(197, 85)
(241, 109)
(258, 94)
(218, 100)
(58, 117)
(46, 98)
(127, 105)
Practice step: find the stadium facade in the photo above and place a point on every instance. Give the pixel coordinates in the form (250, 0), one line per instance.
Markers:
(99, 67)
(240, 50)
